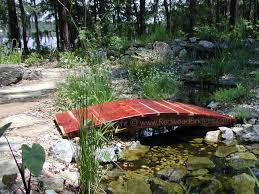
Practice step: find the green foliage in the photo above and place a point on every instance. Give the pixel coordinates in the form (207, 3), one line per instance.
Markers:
(159, 85)
(209, 33)
(242, 30)
(91, 138)
(117, 42)
(88, 39)
(69, 59)
(257, 77)
(33, 158)
(10, 57)
(231, 95)
(33, 59)
(87, 89)
(4, 128)
(241, 116)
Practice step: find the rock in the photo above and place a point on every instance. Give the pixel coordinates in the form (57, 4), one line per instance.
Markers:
(55, 183)
(241, 160)
(247, 133)
(227, 135)
(107, 154)
(101, 55)
(71, 178)
(162, 49)
(8, 167)
(183, 54)
(10, 74)
(214, 186)
(134, 152)
(193, 39)
(32, 74)
(200, 172)
(212, 137)
(163, 187)
(223, 45)
(63, 150)
(50, 191)
(173, 174)
(130, 185)
(243, 184)
(9, 179)
(224, 151)
(206, 44)
(197, 181)
(213, 105)
(196, 163)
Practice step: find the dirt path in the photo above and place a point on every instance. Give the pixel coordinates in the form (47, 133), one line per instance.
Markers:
(30, 108)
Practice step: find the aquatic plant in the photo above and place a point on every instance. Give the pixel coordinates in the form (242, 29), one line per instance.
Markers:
(33, 159)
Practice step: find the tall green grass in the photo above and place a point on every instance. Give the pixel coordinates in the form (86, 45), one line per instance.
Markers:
(8, 56)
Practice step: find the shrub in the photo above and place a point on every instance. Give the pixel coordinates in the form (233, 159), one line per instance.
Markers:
(117, 42)
(208, 33)
(73, 92)
(10, 57)
(231, 95)
(241, 116)
(69, 59)
(33, 59)
(159, 85)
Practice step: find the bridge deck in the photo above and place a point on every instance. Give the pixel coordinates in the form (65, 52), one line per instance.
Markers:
(138, 114)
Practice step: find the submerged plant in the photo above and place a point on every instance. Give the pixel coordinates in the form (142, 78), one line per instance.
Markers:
(33, 159)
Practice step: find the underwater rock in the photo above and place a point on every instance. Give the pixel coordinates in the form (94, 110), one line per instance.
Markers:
(243, 183)
(129, 185)
(224, 151)
(200, 172)
(214, 186)
(196, 163)
(134, 152)
(197, 181)
(172, 174)
(227, 135)
(212, 137)
(163, 187)
(241, 160)
(107, 154)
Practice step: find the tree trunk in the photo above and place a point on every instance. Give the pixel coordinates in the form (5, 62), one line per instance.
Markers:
(128, 10)
(56, 24)
(168, 17)
(142, 13)
(137, 16)
(210, 12)
(192, 12)
(217, 11)
(156, 2)
(233, 14)
(24, 27)
(13, 24)
(256, 11)
(103, 16)
(63, 25)
(37, 38)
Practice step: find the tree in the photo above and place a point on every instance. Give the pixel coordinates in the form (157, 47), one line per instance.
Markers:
(13, 24)
(63, 24)
(156, 3)
(24, 27)
(192, 15)
(233, 13)
(168, 17)
(128, 11)
(37, 36)
(142, 12)
(210, 12)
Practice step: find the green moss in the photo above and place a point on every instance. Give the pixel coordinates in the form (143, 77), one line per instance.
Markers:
(196, 163)
(163, 187)
(243, 183)
(223, 151)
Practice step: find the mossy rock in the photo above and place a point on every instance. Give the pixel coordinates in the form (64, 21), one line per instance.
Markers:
(200, 172)
(214, 187)
(196, 163)
(256, 152)
(243, 184)
(129, 185)
(241, 160)
(226, 182)
(172, 174)
(197, 181)
(224, 151)
(134, 154)
(162, 187)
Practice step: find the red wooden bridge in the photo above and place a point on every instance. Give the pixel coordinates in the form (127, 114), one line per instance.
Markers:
(132, 115)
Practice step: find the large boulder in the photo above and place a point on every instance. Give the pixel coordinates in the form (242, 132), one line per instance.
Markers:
(243, 183)
(227, 135)
(247, 133)
(10, 74)
(162, 49)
